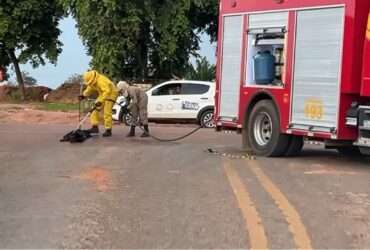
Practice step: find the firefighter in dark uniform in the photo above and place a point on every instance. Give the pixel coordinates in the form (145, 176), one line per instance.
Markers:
(138, 107)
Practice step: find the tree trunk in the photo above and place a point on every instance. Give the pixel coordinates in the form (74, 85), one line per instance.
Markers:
(18, 73)
(143, 61)
(142, 52)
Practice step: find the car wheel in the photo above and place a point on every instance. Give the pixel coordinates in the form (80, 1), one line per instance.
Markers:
(127, 119)
(264, 133)
(295, 146)
(207, 119)
(121, 118)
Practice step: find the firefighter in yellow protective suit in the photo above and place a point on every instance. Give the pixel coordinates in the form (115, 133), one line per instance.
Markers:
(108, 93)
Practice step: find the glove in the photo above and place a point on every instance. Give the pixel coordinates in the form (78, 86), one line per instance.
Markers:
(98, 104)
(81, 97)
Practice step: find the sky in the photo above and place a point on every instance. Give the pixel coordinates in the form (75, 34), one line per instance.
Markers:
(74, 59)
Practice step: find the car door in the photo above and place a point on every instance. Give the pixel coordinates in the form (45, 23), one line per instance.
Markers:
(194, 97)
(164, 101)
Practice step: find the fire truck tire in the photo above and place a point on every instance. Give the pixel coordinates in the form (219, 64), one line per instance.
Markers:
(349, 151)
(365, 151)
(264, 133)
(295, 146)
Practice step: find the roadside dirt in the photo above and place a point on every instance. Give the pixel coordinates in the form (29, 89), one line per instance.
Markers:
(29, 114)
(66, 93)
(36, 93)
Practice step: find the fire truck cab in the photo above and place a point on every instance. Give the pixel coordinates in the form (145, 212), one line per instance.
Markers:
(290, 70)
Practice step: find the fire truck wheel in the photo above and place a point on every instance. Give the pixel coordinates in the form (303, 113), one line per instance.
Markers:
(365, 151)
(295, 146)
(264, 131)
(349, 151)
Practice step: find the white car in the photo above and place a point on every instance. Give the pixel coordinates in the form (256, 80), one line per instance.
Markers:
(177, 100)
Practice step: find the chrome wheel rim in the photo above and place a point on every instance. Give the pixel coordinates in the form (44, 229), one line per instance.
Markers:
(129, 119)
(208, 121)
(263, 129)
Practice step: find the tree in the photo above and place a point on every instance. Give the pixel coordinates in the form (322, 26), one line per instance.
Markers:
(203, 71)
(204, 17)
(28, 79)
(29, 33)
(75, 79)
(142, 38)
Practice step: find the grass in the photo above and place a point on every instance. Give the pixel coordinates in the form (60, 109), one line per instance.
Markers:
(58, 107)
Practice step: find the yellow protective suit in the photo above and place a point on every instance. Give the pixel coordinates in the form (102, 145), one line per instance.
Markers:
(108, 94)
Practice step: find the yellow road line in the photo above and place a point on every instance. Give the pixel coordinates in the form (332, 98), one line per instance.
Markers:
(253, 221)
(296, 226)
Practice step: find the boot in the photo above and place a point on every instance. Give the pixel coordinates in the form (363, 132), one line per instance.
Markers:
(108, 133)
(93, 130)
(132, 132)
(146, 132)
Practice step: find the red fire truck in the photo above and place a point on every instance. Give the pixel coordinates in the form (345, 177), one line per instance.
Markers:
(2, 74)
(290, 70)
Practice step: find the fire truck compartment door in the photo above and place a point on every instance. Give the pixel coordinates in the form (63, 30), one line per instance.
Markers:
(231, 67)
(268, 20)
(317, 69)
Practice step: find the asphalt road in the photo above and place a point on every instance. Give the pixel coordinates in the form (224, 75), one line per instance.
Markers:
(133, 193)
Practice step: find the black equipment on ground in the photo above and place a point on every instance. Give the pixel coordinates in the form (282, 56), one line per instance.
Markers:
(79, 135)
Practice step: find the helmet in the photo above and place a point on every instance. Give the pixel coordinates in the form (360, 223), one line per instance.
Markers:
(123, 88)
(90, 77)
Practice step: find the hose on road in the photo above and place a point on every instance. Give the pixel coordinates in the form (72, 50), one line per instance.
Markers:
(167, 140)
(173, 139)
